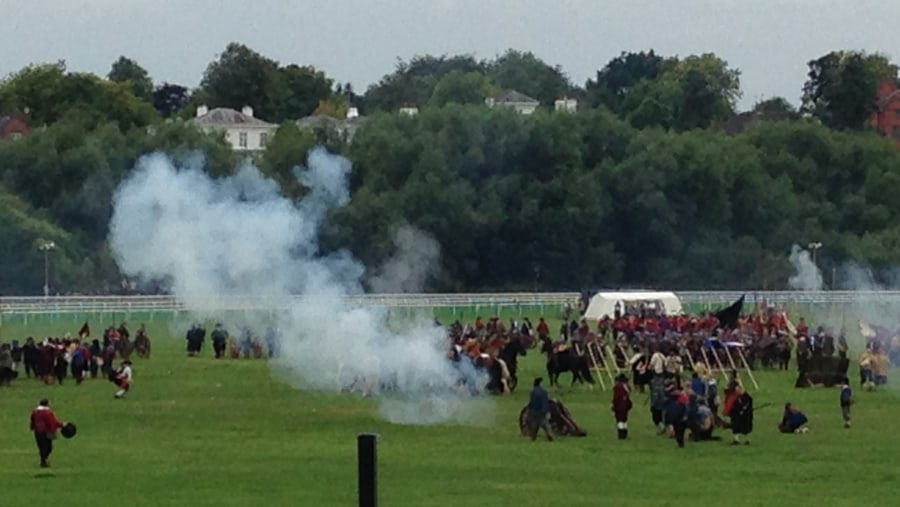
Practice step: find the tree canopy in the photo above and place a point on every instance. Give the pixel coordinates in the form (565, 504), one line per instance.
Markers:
(641, 186)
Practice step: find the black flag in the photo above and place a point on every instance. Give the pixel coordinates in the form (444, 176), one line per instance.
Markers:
(728, 317)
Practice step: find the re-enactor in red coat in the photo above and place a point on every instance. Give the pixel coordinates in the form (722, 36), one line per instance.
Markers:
(621, 405)
(44, 424)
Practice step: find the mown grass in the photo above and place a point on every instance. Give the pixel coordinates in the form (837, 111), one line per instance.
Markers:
(201, 432)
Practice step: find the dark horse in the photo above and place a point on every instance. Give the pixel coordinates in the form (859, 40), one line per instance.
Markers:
(566, 360)
(510, 355)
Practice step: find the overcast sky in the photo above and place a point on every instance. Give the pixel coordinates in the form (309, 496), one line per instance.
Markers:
(770, 41)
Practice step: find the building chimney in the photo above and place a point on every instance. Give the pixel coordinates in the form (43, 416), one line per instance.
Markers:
(202, 110)
(248, 111)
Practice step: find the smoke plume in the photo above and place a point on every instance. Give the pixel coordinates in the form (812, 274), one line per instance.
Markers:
(416, 259)
(236, 251)
(807, 276)
(865, 299)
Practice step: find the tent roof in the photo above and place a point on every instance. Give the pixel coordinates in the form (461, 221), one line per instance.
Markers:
(635, 296)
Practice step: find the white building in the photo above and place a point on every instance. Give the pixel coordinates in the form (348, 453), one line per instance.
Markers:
(345, 127)
(409, 109)
(566, 104)
(242, 130)
(518, 101)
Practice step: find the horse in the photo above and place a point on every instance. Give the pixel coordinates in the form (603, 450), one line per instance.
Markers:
(123, 346)
(510, 355)
(142, 343)
(498, 373)
(563, 361)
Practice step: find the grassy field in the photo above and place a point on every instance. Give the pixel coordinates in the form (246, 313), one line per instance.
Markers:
(201, 432)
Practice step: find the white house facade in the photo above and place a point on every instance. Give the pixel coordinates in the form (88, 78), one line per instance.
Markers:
(345, 128)
(566, 104)
(242, 130)
(520, 102)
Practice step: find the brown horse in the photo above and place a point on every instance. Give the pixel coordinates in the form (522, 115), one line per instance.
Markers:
(142, 343)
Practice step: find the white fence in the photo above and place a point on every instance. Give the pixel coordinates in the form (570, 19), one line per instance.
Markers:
(107, 304)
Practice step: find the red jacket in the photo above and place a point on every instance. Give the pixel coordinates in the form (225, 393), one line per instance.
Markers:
(621, 402)
(44, 421)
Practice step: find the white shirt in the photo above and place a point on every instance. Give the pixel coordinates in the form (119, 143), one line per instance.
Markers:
(125, 373)
(658, 363)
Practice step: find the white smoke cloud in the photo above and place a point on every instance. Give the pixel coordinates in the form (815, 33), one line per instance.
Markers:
(222, 244)
(416, 260)
(868, 300)
(807, 276)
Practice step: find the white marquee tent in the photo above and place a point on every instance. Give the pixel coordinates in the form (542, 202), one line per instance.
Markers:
(606, 303)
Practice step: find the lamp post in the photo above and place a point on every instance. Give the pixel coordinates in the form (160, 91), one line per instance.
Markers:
(814, 247)
(46, 247)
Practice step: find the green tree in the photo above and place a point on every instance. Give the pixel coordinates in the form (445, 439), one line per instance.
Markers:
(841, 87)
(528, 74)
(620, 75)
(459, 87)
(285, 152)
(126, 70)
(47, 93)
(37, 90)
(242, 77)
(413, 82)
(300, 91)
(696, 92)
(777, 107)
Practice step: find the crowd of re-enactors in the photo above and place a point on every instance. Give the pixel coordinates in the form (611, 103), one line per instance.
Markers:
(655, 349)
(685, 398)
(56, 360)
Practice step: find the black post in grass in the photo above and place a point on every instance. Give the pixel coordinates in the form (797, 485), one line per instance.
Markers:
(368, 484)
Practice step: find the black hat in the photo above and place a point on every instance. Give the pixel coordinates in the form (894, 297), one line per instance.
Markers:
(69, 430)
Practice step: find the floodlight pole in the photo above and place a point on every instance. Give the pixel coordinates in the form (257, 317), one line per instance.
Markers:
(814, 246)
(46, 247)
(368, 484)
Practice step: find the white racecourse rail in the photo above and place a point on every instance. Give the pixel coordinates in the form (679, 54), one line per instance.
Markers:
(107, 304)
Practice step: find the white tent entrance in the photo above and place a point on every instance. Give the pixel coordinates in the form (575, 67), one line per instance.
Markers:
(632, 303)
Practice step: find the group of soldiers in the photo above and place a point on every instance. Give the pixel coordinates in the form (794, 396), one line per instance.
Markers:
(676, 406)
(247, 345)
(54, 359)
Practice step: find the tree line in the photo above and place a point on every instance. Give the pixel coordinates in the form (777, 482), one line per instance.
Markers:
(642, 186)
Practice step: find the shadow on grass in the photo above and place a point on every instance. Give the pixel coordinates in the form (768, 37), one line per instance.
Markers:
(44, 475)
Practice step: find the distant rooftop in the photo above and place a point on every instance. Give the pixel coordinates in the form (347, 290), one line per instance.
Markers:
(512, 96)
(321, 120)
(222, 116)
